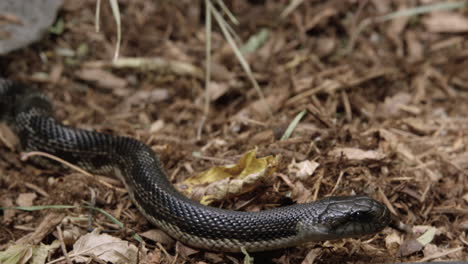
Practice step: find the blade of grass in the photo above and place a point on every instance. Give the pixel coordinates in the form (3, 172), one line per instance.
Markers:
(293, 125)
(114, 220)
(222, 24)
(255, 41)
(227, 12)
(116, 13)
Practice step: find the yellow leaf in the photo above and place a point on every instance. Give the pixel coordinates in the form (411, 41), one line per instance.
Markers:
(218, 182)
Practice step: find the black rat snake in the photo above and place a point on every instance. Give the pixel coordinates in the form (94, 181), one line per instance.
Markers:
(29, 113)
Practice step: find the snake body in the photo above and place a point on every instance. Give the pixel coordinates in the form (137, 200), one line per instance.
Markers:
(29, 113)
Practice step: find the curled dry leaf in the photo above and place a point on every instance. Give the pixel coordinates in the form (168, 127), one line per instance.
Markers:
(393, 242)
(184, 250)
(303, 169)
(222, 181)
(26, 199)
(312, 256)
(159, 236)
(104, 247)
(409, 247)
(217, 89)
(357, 154)
(301, 194)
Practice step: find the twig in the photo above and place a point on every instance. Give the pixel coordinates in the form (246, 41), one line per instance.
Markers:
(62, 244)
(441, 254)
(27, 155)
(206, 108)
(97, 23)
(337, 183)
(227, 12)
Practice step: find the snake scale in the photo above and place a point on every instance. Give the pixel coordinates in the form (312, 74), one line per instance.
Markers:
(29, 113)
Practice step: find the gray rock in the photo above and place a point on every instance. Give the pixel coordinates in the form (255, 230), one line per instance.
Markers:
(31, 20)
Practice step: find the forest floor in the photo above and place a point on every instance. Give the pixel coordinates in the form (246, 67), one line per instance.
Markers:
(385, 115)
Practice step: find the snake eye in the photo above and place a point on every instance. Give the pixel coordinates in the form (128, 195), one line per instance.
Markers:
(362, 216)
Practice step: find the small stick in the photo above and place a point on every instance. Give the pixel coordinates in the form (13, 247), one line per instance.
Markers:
(62, 245)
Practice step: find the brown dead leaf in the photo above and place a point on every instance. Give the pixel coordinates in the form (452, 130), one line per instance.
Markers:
(8, 137)
(104, 247)
(213, 257)
(185, 251)
(464, 224)
(261, 107)
(304, 169)
(152, 258)
(326, 46)
(461, 161)
(357, 154)
(446, 22)
(148, 96)
(393, 105)
(70, 234)
(301, 194)
(414, 245)
(159, 236)
(415, 47)
(7, 214)
(419, 126)
(311, 256)
(102, 78)
(217, 89)
(409, 247)
(26, 199)
(156, 126)
(264, 136)
(393, 242)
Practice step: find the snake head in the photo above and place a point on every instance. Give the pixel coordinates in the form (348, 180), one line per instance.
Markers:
(341, 217)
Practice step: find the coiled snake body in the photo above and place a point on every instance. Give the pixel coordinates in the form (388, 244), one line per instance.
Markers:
(29, 113)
